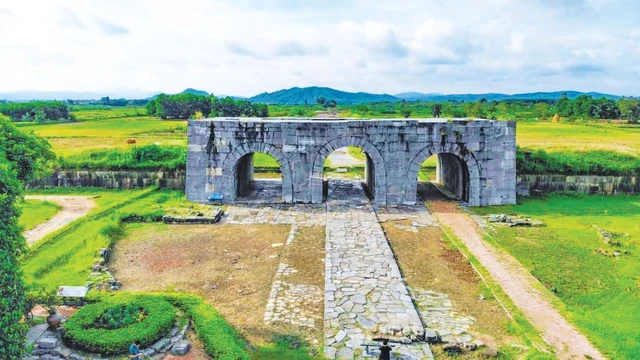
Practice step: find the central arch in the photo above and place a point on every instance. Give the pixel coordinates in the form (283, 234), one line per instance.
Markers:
(237, 161)
(457, 169)
(377, 177)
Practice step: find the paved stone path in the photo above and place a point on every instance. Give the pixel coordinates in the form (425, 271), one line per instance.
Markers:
(365, 295)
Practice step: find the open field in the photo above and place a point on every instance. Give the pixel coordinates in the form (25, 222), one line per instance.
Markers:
(35, 212)
(598, 291)
(76, 137)
(563, 136)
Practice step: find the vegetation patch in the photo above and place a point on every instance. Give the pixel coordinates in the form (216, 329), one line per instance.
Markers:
(576, 163)
(36, 212)
(600, 293)
(149, 157)
(110, 326)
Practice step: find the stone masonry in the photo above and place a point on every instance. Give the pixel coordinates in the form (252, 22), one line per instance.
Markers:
(365, 295)
(476, 158)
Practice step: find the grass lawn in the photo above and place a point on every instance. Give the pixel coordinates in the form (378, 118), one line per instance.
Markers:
(562, 136)
(600, 292)
(36, 212)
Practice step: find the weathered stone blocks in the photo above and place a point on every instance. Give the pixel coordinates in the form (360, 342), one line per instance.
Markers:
(474, 151)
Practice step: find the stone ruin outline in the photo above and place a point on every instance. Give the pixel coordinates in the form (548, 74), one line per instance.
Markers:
(476, 157)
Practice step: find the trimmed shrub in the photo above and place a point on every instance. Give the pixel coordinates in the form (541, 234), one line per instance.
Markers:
(221, 341)
(107, 327)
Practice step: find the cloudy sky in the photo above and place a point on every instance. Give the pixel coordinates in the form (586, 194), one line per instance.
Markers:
(245, 47)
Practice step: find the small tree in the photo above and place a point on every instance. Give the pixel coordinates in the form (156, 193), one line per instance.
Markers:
(436, 110)
(405, 112)
(321, 100)
(330, 104)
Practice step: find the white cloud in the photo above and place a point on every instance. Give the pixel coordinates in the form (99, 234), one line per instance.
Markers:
(253, 46)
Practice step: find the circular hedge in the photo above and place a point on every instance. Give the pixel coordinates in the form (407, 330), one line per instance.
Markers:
(110, 326)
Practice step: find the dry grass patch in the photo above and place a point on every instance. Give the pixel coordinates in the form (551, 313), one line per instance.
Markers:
(232, 266)
(429, 263)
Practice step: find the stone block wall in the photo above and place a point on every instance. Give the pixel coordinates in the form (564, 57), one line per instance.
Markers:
(117, 179)
(586, 184)
(396, 148)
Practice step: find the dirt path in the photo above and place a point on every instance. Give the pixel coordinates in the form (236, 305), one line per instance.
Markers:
(516, 281)
(73, 207)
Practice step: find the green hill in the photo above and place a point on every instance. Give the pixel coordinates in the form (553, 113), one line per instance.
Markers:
(309, 95)
(195, 92)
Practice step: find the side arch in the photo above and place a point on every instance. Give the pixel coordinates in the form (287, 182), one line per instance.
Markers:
(475, 192)
(380, 171)
(230, 168)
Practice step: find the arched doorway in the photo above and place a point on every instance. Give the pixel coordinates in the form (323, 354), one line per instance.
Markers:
(258, 178)
(349, 164)
(358, 159)
(448, 172)
(257, 172)
(452, 171)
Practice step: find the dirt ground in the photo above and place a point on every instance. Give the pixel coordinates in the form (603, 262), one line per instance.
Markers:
(427, 262)
(516, 281)
(73, 207)
(306, 255)
(231, 266)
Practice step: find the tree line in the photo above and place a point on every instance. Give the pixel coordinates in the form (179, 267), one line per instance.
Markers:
(23, 157)
(583, 107)
(185, 106)
(36, 111)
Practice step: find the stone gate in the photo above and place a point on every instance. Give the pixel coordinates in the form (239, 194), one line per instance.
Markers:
(476, 158)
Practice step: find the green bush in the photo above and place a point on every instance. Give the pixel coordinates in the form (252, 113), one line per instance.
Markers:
(607, 163)
(87, 330)
(220, 340)
(36, 110)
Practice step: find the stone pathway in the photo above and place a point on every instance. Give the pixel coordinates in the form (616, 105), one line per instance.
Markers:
(365, 295)
(301, 214)
(438, 314)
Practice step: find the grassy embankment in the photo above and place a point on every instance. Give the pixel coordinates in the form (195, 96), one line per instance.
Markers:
(598, 291)
(35, 212)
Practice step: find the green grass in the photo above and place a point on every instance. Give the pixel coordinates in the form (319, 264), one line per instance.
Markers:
(65, 257)
(102, 113)
(562, 136)
(263, 160)
(600, 294)
(35, 212)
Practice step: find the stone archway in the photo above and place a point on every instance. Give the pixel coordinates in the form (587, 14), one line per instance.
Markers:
(231, 162)
(466, 173)
(374, 156)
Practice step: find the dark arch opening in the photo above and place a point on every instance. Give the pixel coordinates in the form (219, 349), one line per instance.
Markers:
(349, 164)
(448, 172)
(258, 178)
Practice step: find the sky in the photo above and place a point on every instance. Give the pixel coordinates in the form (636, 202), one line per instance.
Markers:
(246, 47)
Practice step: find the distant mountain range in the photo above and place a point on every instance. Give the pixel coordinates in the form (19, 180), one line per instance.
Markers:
(309, 95)
(298, 96)
(412, 96)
